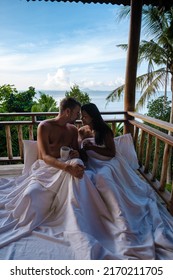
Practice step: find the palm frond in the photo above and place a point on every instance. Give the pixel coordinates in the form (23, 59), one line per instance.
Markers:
(152, 51)
(123, 46)
(147, 90)
(153, 22)
(115, 94)
(124, 12)
(158, 51)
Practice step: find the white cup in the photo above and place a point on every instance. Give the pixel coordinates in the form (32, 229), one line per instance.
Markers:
(64, 152)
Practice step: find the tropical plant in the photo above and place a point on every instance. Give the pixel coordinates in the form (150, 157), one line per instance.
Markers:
(157, 52)
(160, 109)
(119, 129)
(13, 101)
(79, 95)
(45, 103)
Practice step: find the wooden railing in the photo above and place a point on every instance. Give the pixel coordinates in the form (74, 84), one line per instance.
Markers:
(154, 147)
(154, 150)
(30, 124)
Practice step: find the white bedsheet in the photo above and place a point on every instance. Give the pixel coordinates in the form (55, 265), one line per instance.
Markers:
(109, 214)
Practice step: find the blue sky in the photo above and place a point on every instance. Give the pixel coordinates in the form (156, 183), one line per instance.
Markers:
(56, 45)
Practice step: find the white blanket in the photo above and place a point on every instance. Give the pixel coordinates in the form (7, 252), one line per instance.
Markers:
(109, 214)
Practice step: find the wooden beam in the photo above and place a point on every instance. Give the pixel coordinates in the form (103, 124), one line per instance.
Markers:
(165, 125)
(132, 58)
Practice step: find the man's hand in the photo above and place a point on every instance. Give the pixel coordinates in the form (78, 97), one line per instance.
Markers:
(76, 170)
(74, 154)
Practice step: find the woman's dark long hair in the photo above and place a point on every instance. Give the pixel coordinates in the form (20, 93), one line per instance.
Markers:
(99, 125)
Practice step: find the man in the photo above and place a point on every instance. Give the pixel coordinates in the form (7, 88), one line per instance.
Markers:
(44, 192)
(57, 132)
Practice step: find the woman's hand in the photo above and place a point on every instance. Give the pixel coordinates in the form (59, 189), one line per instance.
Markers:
(88, 145)
(76, 170)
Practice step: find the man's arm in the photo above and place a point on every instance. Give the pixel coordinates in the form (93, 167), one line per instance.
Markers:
(75, 170)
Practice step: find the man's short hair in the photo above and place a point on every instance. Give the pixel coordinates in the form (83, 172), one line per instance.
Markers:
(68, 102)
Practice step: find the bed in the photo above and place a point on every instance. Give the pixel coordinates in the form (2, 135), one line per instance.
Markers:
(109, 214)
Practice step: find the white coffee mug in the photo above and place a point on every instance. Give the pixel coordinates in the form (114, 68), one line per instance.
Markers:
(64, 152)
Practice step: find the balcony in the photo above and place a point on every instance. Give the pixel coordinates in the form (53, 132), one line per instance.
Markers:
(147, 142)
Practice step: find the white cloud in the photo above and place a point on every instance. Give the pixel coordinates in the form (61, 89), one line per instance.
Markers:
(87, 58)
(63, 79)
(61, 66)
(55, 51)
(69, 53)
(60, 80)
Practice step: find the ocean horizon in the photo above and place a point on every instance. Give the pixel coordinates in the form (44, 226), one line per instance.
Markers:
(99, 98)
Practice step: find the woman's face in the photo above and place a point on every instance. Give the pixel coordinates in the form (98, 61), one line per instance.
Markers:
(86, 119)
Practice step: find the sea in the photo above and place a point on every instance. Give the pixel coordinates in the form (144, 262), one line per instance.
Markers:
(99, 98)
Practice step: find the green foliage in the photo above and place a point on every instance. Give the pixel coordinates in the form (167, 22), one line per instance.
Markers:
(13, 101)
(169, 187)
(5, 92)
(160, 108)
(157, 52)
(79, 95)
(119, 129)
(45, 103)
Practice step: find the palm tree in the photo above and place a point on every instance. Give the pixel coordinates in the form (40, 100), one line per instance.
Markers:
(46, 103)
(158, 52)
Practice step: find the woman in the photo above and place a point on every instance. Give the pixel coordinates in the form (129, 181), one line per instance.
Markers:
(103, 135)
(139, 225)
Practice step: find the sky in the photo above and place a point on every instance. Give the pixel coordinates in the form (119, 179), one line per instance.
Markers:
(52, 46)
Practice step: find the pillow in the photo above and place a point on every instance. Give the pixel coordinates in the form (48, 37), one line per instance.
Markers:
(124, 144)
(30, 154)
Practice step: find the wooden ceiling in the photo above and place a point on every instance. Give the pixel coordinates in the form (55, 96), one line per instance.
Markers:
(161, 3)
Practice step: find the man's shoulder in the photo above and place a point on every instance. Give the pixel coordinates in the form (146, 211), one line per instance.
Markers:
(45, 123)
(72, 126)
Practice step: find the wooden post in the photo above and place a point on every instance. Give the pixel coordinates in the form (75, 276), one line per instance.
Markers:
(20, 140)
(132, 58)
(31, 134)
(8, 140)
(148, 153)
(156, 159)
(164, 167)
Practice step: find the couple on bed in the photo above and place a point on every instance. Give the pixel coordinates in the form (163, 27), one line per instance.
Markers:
(60, 131)
(96, 209)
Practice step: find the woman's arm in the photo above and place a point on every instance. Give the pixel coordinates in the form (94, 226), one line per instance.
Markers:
(107, 150)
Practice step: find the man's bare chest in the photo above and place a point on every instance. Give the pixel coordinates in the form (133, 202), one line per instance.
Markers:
(60, 136)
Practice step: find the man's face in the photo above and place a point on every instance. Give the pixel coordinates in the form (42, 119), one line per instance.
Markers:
(75, 114)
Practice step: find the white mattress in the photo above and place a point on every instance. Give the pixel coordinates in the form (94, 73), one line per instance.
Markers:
(109, 214)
